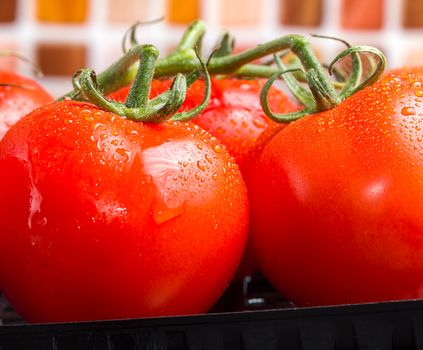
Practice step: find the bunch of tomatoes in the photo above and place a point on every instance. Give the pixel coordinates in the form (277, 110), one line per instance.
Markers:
(104, 217)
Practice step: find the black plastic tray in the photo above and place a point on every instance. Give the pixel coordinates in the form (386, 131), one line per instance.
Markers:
(395, 325)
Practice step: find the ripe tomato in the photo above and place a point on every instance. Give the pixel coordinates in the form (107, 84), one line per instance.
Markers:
(234, 114)
(18, 96)
(337, 199)
(108, 218)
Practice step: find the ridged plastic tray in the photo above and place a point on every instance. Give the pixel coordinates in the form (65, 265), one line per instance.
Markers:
(394, 325)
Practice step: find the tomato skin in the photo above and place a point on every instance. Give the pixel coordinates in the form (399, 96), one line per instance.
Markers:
(107, 218)
(17, 101)
(337, 197)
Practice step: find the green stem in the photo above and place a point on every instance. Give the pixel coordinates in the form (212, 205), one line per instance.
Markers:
(225, 46)
(138, 107)
(323, 99)
(192, 36)
(301, 94)
(140, 91)
(184, 116)
(185, 61)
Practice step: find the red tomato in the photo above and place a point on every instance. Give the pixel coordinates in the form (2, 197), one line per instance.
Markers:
(337, 199)
(19, 98)
(108, 218)
(234, 115)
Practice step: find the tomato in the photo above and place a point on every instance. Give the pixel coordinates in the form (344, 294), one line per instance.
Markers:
(20, 97)
(337, 199)
(233, 115)
(108, 218)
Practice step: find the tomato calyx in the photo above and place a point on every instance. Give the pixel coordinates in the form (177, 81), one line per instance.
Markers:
(222, 62)
(138, 106)
(323, 93)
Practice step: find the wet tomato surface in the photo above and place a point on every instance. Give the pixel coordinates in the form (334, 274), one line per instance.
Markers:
(108, 218)
(337, 199)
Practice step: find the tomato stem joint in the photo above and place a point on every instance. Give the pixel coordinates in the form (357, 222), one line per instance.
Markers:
(138, 106)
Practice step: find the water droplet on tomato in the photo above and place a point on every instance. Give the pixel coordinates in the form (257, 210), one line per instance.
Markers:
(217, 148)
(208, 158)
(201, 166)
(99, 127)
(418, 93)
(162, 213)
(408, 111)
(214, 176)
(122, 154)
(259, 123)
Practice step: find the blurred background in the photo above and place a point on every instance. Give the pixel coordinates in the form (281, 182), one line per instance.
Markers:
(63, 36)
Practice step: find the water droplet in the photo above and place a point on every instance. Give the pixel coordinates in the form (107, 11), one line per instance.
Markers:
(214, 176)
(42, 221)
(208, 158)
(217, 148)
(418, 93)
(123, 154)
(163, 214)
(201, 166)
(259, 123)
(87, 115)
(199, 146)
(408, 111)
(99, 126)
(115, 142)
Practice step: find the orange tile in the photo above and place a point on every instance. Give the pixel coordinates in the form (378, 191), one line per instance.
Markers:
(362, 14)
(182, 11)
(7, 10)
(239, 12)
(413, 14)
(306, 13)
(64, 11)
(128, 11)
(61, 59)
